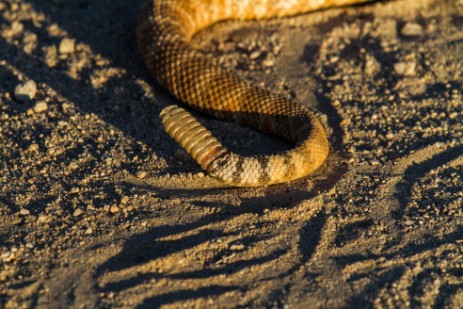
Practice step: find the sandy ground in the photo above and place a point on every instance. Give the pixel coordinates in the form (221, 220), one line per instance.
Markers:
(100, 208)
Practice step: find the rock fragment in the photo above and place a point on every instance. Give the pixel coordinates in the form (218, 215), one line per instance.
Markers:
(141, 174)
(124, 200)
(411, 29)
(7, 256)
(24, 212)
(25, 92)
(405, 68)
(67, 46)
(15, 29)
(113, 209)
(40, 107)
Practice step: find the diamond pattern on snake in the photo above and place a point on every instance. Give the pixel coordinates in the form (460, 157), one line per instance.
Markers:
(164, 32)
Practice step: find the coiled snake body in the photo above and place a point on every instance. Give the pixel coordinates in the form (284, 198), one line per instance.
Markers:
(164, 32)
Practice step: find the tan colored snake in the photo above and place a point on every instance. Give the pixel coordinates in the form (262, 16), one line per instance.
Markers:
(164, 33)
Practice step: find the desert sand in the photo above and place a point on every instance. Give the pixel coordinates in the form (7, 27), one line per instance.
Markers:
(99, 208)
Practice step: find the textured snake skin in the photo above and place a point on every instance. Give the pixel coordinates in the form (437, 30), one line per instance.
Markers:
(164, 32)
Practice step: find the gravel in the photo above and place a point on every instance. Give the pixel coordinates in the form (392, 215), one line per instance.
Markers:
(99, 208)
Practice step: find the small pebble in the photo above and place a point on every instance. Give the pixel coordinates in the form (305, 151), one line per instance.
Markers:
(33, 147)
(237, 247)
(372, 66)
(24, 212)
(42, 219)
(25, 92)
(334, 59)
(7, 256)
(411, 29)
(40, 107)
(141, 174)
(124, 200)
(255, 55)
(66, 106)
(114, 209)
(16, 28)
(405, 68)
(77, 213)
(269, 62)
(67, 46)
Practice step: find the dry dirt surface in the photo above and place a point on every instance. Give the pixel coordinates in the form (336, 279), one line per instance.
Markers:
(99, 208)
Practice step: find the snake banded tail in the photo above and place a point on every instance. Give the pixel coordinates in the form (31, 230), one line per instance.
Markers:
(164, 33)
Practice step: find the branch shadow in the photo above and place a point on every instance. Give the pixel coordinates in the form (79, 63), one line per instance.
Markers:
(393, 272)
(409, 250)
(365, 299)
(149, 246)
(417, 171)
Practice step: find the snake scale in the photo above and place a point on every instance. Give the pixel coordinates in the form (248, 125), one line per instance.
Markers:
(164, 32)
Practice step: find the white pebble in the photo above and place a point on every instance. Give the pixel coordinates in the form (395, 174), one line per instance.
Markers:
(411, 29)
(26, 92)
(24, 212)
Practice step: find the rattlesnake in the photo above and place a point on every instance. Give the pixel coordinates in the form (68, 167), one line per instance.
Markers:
(164, 32)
